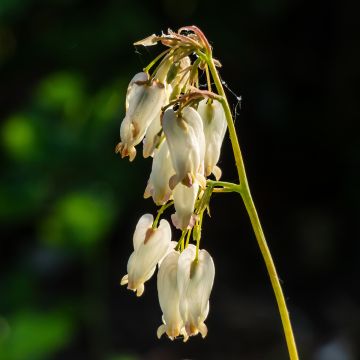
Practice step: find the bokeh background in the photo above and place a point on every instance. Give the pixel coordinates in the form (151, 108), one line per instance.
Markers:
(68, 204)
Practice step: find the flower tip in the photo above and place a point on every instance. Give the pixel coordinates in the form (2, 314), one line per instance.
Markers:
(124, 280)
(140, 290)
(203, 330)
(160, 331)
(124, 151)
(148, 41)
(217, 172)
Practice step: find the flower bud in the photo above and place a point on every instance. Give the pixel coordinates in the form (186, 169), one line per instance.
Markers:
(195, 280)
(214, 120)
(178, 76)
(169, 297)
(144, 101)
(150, 246)
(185, 136)
(161, 172)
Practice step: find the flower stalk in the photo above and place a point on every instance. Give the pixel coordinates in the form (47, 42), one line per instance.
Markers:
(244, 190)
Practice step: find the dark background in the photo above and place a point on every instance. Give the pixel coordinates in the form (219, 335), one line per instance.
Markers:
(68, 204)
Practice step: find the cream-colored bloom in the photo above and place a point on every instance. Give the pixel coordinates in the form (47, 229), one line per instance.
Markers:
(161, 172)
(144, 101)
(185, 136)
(184, 202)
(213, 116)
(169, 297)
(152, 137)
(150, 246)
(195, 281)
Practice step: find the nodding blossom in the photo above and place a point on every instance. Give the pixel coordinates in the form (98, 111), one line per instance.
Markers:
(168, 293)
(182, 128)
(195, 279)
(185, 137)
(150, 246)
(214, 120)
(184, 203)
(144, 100)
(161, 172)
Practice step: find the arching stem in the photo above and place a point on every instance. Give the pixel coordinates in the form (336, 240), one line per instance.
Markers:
(244, 190)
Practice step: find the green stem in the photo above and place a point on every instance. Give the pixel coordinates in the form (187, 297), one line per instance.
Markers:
(160, 211)
(225, 185)
(146, 69)
(244, 190)
(188, 238)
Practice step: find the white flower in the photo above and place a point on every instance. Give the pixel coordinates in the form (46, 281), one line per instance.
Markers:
(185, 136)
(161, 172)
(214, 119)
(169, 298)
(184, 202)
(144, 101)
(152, 137)
(195, 281)
(150, 246)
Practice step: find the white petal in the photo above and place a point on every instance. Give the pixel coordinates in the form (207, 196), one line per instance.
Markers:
(214, 119)
(195, 281)
(148, 252)
(139, 77)
(184, 202)
(161, 172)
(169, 296)
(144, 102)
(151, 137)
(186, 141)
(152, 133)
(142, 227)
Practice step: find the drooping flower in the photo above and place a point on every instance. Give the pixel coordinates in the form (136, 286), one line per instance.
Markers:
(144, 101)
(214, 120)
(184, 202)
(150, 246)
(168, 293)
(185, 136)
(161, 172)
(195, 280)
(152, 136)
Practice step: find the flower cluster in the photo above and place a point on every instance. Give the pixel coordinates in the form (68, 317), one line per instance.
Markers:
(182, 124)
(182, 127)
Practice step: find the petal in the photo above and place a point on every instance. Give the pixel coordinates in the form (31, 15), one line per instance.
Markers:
(151, 137)
(185, 137)
(143, 225)
(184, 202)
(138, 78)
(214, 120)
(161, 172)
(148, 254)
(195, 281)
(144, 103)
(168, 294)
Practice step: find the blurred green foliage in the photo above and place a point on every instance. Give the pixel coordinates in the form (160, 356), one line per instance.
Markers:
(78, 220)
(32, 335)
(61, 183)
